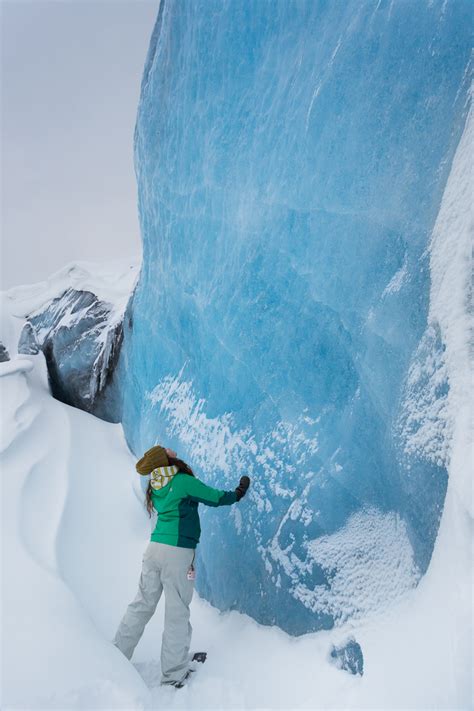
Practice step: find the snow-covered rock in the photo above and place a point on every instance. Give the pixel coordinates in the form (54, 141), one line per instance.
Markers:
(81, 341)
(4, 354)
(76, 319)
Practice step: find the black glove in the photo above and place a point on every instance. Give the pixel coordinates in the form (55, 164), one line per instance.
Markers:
(241, 490)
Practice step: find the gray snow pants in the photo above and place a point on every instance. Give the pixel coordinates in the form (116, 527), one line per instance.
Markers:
(164, 568)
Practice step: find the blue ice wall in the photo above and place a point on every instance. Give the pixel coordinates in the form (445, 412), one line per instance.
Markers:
(291, 158)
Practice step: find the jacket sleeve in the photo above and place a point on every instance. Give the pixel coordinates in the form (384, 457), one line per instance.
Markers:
(197, 491)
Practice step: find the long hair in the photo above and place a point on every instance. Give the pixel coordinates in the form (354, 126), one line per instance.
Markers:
(182, 467)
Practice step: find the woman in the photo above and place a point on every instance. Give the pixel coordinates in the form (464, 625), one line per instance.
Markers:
(168, 561)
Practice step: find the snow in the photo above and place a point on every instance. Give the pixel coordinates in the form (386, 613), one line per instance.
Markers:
(74, 531)
(52, 646)
(370, 563)
(111, 282)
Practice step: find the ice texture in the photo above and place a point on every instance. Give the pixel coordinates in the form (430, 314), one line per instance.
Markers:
(291, 159)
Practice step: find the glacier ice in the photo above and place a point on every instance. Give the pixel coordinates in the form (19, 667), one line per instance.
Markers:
(291, 159)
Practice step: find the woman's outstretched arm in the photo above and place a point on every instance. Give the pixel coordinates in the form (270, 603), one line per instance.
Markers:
(204, 494)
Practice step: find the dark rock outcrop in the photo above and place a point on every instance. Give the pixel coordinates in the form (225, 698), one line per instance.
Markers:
(80, 337)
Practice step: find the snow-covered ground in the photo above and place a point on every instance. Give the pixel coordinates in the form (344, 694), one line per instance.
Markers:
(74, 530)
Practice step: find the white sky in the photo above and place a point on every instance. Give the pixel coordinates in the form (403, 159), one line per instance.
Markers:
(70, 80)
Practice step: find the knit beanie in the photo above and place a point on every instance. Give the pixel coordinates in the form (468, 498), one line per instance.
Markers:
(153, 458)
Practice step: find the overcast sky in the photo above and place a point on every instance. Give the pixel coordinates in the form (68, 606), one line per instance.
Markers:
(70, 79)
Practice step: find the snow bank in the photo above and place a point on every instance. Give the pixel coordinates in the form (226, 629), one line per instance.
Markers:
(54, 656)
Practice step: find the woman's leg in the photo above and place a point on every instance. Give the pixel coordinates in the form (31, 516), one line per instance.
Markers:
(177, 631)
(140, 611)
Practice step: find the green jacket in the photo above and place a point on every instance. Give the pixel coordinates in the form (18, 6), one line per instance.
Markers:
(176, 497)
